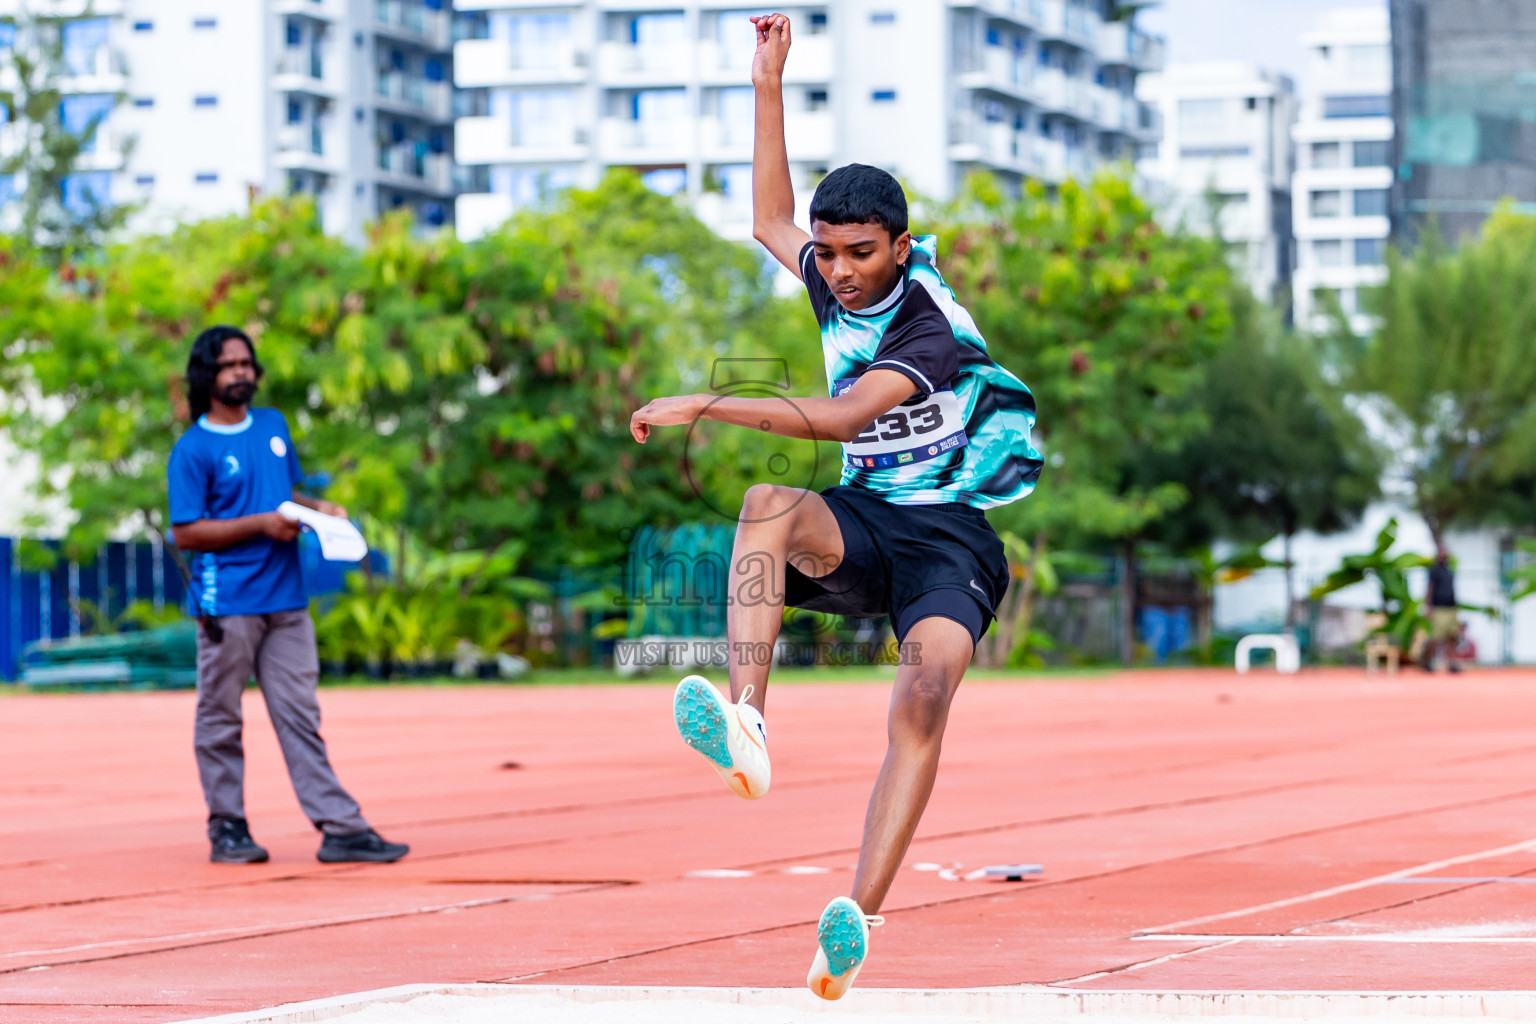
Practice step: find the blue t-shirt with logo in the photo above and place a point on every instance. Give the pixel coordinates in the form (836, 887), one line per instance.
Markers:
(224, 472)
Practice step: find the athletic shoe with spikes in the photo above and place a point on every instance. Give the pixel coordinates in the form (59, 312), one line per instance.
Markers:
(842, 943)
(732, 736)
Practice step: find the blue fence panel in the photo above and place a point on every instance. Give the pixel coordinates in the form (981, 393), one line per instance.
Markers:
(37, 604)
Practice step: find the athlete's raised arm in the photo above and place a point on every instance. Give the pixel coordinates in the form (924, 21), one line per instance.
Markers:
(773, 194)
(818, 419)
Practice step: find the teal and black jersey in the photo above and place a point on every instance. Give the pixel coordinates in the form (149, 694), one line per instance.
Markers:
(965, 435)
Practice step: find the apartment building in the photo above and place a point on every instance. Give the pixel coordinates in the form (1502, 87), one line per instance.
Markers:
(350, 101)
(930, 90)
(1464, 110)
(1343, 173)
(1225, 161)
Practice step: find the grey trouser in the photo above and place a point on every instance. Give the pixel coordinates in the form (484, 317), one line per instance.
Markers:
(279, 650)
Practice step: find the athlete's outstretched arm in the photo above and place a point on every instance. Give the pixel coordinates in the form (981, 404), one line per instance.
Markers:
(817, 419)
(773, 194)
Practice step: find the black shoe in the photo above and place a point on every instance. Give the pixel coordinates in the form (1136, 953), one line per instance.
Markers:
(232, 843)
(366, 845)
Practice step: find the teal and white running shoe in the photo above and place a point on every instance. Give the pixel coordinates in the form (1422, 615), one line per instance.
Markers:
(732, 736)
(842, 943)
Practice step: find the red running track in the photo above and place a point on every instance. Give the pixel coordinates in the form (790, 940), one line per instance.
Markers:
(1198, 831)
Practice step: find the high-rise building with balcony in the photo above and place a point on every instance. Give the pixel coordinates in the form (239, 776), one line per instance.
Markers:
(1464, 107)
(348, 100)
(1225, 161)
(930, 90)
(1343, 164)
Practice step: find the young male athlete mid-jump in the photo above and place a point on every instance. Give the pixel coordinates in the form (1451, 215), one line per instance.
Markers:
(933, 431)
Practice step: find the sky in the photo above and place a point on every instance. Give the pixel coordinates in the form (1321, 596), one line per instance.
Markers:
(1262, 32)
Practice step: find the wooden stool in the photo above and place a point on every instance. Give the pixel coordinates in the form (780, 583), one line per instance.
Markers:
(1385, 649)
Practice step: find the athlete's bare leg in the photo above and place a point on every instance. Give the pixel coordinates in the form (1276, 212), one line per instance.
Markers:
(778, 525)
(935, 655)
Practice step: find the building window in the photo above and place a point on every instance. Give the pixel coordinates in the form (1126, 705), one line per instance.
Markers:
(1204, 117)
(1367, 61)
(1357, 106)
(665, 181)
(201, 23)
(143, 26)
(1372, 154)
(84, 115)
(1328, 252)
(1370, 202)
(207, 178)
(143, 101)
(1327, 204)
(883, 96)
(658, 30)
(1370, 252)
(882, 17)
(359, 115)
(994, 37)
(1325, 155)
(1212, 152)
(205, 101)
(294, 34)
(815, 99)
(295, 111)
(818, 23)
(83, 40)
(87, 191)
(144, 179)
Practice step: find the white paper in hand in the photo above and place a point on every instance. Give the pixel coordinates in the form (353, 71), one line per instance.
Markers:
(339, 540)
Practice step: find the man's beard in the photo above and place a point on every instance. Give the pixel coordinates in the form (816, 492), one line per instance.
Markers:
(239, 393)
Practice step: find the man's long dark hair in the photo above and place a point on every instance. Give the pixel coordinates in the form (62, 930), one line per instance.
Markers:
(203, 365)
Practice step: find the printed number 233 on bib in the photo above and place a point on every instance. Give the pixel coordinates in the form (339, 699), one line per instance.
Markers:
(915, 431)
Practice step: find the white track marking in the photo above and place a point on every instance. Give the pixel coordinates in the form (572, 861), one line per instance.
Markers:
(1416, 938)
(1221, 942)
(273, 927)
(1336, 890)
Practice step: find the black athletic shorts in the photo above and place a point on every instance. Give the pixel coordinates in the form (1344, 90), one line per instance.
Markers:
(908, 562)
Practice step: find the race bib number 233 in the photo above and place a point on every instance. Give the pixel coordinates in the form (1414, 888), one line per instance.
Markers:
(915, 431)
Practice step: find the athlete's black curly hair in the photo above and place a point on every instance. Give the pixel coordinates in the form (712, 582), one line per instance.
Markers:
(861, 194)
(203, 365)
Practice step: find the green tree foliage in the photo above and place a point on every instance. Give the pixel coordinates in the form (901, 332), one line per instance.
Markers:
(1282, 451)
(44, 153)
(1451, 373)
(1400, 611)
(470, 394)
(1108, 319)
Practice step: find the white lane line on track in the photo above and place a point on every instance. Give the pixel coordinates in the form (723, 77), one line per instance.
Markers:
(1389, 937)
(1336, 890)
(1155, 960)
(274, 927)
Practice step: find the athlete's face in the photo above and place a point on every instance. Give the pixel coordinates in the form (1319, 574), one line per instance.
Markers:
(235, 383)
(859, 262)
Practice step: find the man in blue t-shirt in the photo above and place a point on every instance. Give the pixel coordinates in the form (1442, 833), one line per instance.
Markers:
(228, 474)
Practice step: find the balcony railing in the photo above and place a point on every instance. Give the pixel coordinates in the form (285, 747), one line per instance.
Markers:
(300, 62)
(561, 57)
(299, 138)
(1120, 43)
(647, 135)
(1000, 67)
(432, 98)
(1063, 20)
(619, 59)
(413, 19)
(412, 160)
